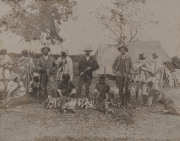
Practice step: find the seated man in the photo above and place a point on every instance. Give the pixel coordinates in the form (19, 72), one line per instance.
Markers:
(34, 86)
(2, 90)
(103, 93)
(66, 87)
(15, 88)
(152, 89)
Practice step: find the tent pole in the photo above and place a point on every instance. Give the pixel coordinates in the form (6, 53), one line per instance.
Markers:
(105, 72)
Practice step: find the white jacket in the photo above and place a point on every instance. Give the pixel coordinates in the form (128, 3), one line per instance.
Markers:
(66, 67)
(5, 61)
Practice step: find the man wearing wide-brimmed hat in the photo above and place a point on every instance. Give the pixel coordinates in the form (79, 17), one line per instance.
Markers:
(26, 68)
(65, 65)
(86, 67)
(122, 68)
(46, 65)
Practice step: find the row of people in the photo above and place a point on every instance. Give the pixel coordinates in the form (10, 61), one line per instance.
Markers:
(149, 75)
(46, 66)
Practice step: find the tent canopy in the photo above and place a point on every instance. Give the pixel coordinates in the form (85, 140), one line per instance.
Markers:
(106, 55)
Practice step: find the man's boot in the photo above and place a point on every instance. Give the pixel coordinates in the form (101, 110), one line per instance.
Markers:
(79, 92)
(128, 95)
(87, 92)
(136, 96)
(121, 96)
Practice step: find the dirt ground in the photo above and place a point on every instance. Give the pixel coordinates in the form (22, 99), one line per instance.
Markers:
(33, 122)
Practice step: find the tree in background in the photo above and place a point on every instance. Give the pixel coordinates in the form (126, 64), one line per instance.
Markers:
(123, 20)
(37, 19)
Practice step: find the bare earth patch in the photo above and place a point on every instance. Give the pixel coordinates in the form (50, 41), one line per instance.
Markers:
(33, 122)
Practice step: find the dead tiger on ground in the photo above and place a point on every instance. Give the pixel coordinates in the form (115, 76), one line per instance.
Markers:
(70, 104)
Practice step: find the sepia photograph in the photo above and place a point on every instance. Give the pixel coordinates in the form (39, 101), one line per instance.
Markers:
(89, 70)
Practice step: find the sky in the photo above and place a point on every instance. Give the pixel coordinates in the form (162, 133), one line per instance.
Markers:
(86, 30)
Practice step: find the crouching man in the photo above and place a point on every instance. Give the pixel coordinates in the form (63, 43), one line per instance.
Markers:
(34, 86)
(122, 68)
(66, 87)
(2, 90)
(150, 91)
(102, 94)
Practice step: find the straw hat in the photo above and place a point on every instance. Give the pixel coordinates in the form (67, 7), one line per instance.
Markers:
(65, 51)
(36, 75)
(45, 48)
(88, 49)
(123, 46)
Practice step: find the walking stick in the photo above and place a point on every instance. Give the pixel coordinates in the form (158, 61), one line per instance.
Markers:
(28, 79)
(40, 83)
(104, 72)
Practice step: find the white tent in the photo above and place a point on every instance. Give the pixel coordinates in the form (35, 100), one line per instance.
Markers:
(106, 55)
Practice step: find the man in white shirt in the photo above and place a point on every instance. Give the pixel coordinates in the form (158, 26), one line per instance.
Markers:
(158, 67)
(5, 66)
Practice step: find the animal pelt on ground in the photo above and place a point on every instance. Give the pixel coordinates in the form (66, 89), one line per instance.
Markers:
(70, 104)
(66, 103)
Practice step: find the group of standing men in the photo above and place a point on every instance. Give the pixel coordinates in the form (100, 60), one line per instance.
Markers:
(46, 66)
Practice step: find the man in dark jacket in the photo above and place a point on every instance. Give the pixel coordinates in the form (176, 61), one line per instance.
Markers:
(122, 68)
(46, 65)
(86, 67)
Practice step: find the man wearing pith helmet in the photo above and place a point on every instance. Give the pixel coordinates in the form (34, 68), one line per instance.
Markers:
(46, 66)
(122, 68)
(86, 67)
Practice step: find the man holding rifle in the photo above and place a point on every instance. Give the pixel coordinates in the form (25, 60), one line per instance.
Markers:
(46, 65)
(86, 66)
(123, 68)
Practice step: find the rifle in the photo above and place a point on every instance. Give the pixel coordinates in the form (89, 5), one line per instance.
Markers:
(166, 82)
(81, 74)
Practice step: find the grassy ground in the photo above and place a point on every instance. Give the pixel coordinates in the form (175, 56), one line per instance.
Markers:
(33, 122)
